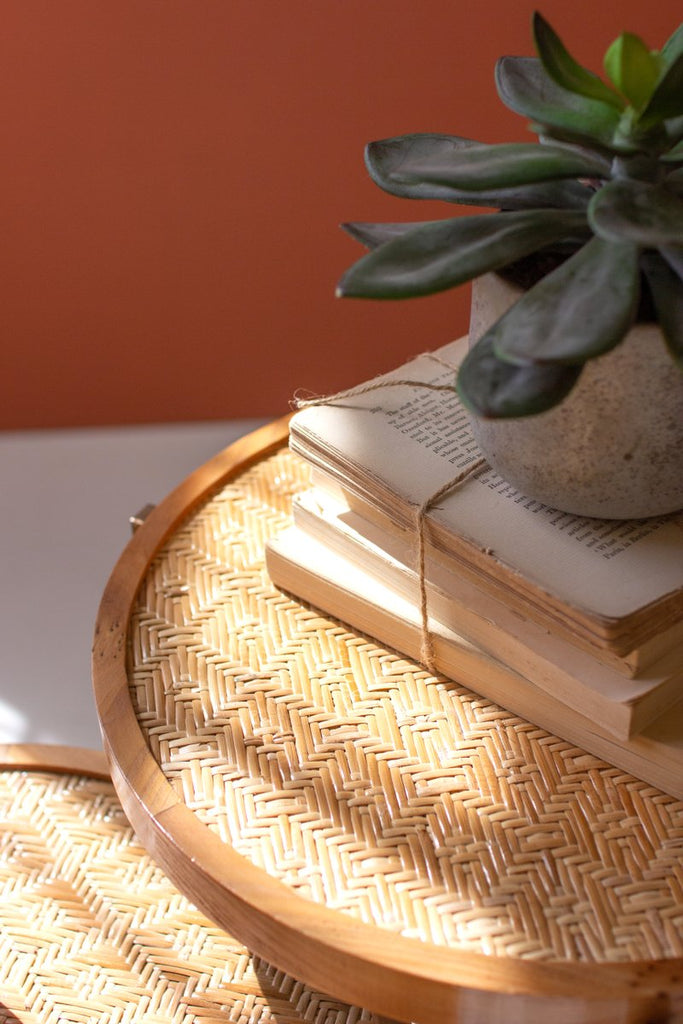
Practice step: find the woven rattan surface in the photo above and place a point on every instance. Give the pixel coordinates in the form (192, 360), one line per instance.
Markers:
(370, 787)
(92, 931)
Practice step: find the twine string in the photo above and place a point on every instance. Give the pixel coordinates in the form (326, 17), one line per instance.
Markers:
(427, 652)
(299, 402)
(364, 389)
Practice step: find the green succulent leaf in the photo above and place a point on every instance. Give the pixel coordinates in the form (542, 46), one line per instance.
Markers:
(638, 212)
(674, 257)
(525, 87)
(374, 235)
(578, 311)
(591, 151)
(674, 131)
(675, 154)
(566, 71)
(498, 166)
(633, 68)
(667, 293)
(667, 99)
(494, 389)
(673, 47)
(442, 254)
(387, 158)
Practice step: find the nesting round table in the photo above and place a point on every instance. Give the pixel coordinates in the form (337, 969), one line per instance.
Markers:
(375, 831)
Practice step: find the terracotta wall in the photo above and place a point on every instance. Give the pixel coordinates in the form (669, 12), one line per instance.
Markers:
(173, 175)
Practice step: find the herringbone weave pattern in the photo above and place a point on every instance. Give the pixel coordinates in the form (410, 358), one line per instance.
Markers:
(92, 932)
(369, 785)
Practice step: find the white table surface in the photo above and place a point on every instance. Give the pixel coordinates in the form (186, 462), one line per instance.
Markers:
(65, 501)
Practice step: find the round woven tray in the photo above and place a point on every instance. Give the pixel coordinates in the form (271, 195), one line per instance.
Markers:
(91, 930)
(379, 832)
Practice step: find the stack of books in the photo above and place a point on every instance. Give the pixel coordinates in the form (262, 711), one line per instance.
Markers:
(575, 624)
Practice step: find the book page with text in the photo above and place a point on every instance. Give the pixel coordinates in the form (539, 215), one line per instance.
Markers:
(409, 441)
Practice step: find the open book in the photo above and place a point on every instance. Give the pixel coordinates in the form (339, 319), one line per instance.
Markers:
(614, 589)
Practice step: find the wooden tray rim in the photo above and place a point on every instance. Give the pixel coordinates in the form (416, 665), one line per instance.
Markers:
(388, 973)
(53, 757)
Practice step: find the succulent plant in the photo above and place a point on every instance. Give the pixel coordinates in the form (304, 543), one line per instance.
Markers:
(599, 197)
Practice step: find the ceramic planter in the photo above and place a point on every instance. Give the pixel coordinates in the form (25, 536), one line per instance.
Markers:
(614, 447)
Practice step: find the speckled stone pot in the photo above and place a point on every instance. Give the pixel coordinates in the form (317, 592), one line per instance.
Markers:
(614, 447)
